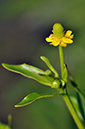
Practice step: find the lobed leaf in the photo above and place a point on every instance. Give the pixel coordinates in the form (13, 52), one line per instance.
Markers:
(30, 72)
(33, 97)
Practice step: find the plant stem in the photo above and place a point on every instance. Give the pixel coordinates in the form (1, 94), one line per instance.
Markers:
(73, 112)
(61, 59)
(10, 120)
(66, 96)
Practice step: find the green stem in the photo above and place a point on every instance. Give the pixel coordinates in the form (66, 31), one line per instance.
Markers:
(73, 112)
(61, 59)
(10, 120)
(66, 97)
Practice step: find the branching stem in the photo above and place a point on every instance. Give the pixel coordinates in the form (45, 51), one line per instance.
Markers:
(66, 96)
(73, 112)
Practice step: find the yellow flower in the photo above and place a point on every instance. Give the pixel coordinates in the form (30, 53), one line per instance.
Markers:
(59, 36)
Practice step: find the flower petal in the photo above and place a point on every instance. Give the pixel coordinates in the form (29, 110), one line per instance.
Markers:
(63, 44)
(56, 42)
(71, 36)
(67, 40)
(68, 33)
(48, 39)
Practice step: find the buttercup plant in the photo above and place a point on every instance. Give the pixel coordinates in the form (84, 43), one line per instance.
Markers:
(59, 38)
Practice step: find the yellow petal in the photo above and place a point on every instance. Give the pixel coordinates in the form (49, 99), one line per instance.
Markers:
(48, 39)
(67, 40)
(63, 44)
(55, 42)
(68, 33)
(71, 36)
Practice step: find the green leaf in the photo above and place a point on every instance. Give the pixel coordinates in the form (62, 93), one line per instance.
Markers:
(80, 105)
(3, 126)
(76, 106)
(79, 101)
(30, 72)
(65, 73)
(46, 60)
(75, 86)
(33, 97)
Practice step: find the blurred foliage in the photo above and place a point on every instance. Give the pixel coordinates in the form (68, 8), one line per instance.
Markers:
(3, 126)
(23, 28)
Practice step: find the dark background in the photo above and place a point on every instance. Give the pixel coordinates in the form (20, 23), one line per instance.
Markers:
(24, 25)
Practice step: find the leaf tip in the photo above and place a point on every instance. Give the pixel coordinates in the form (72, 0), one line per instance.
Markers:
(17, 105)
(41, 57)
(4, 65)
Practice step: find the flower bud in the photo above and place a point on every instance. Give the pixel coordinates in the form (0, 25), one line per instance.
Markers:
(56, 84)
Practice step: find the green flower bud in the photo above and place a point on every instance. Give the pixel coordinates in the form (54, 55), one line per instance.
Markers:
(56, 84)
(58, 30)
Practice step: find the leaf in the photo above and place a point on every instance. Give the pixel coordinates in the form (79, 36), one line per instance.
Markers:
(65, 73)
(75, 86)
(46, 60)
(4, 126)
(30, 72)
(80, 105)
(76, 106)
(33, 97)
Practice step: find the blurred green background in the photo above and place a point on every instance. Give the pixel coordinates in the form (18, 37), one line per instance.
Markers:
(24, 25)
